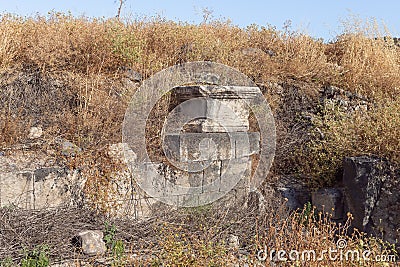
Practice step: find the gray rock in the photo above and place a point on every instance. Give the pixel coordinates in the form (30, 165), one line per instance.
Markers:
(68, 148)
(386, 215)
(57, 186)
(329, 200)
(92, 242)
(269, 52)
(344, 100)
(372, 187)
(295, 192)
(362, 179)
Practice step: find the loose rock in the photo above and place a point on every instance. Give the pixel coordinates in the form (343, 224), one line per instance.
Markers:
(233, 241)
(372, 189)
(92, 243)
(35, 132)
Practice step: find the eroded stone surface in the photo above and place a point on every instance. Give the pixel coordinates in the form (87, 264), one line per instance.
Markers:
(294, 192)
(129, 200)
(92, 243)
(363, 179)
(33, 181)
(226, 105)
(372, 189)
(16, 189)
(192, 147)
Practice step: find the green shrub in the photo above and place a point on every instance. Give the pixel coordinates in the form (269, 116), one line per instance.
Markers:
(38, 257)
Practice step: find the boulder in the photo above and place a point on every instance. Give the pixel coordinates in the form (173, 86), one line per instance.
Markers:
(372, 187)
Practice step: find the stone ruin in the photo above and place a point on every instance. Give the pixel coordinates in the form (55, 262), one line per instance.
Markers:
(202, 149)
(209, 158)
(32, 180)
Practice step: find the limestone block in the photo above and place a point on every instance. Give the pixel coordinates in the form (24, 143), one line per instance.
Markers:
(197, 147)
(16, 189)
(50, 187)
(225, 107)
(235, 173)
(212, 177)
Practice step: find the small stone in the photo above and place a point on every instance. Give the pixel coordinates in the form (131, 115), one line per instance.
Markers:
(69, 149)
(35, 132)
(270, 52)
(233, 241)
(92, 243)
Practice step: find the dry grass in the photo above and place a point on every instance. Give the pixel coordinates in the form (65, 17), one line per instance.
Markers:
(370, 66)
(188, 237)
(375, 132)
(66, 74)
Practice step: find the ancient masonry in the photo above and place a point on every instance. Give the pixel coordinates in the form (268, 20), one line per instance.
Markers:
(33, 181)
(212, 159)
(207, 139)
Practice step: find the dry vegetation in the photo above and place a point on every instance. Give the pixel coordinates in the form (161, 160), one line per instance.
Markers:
(67, 75)
(190, 237)
(73, 86)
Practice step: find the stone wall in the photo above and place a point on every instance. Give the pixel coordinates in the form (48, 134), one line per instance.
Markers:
(208, 160)
(33, 180)
(207, 147)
